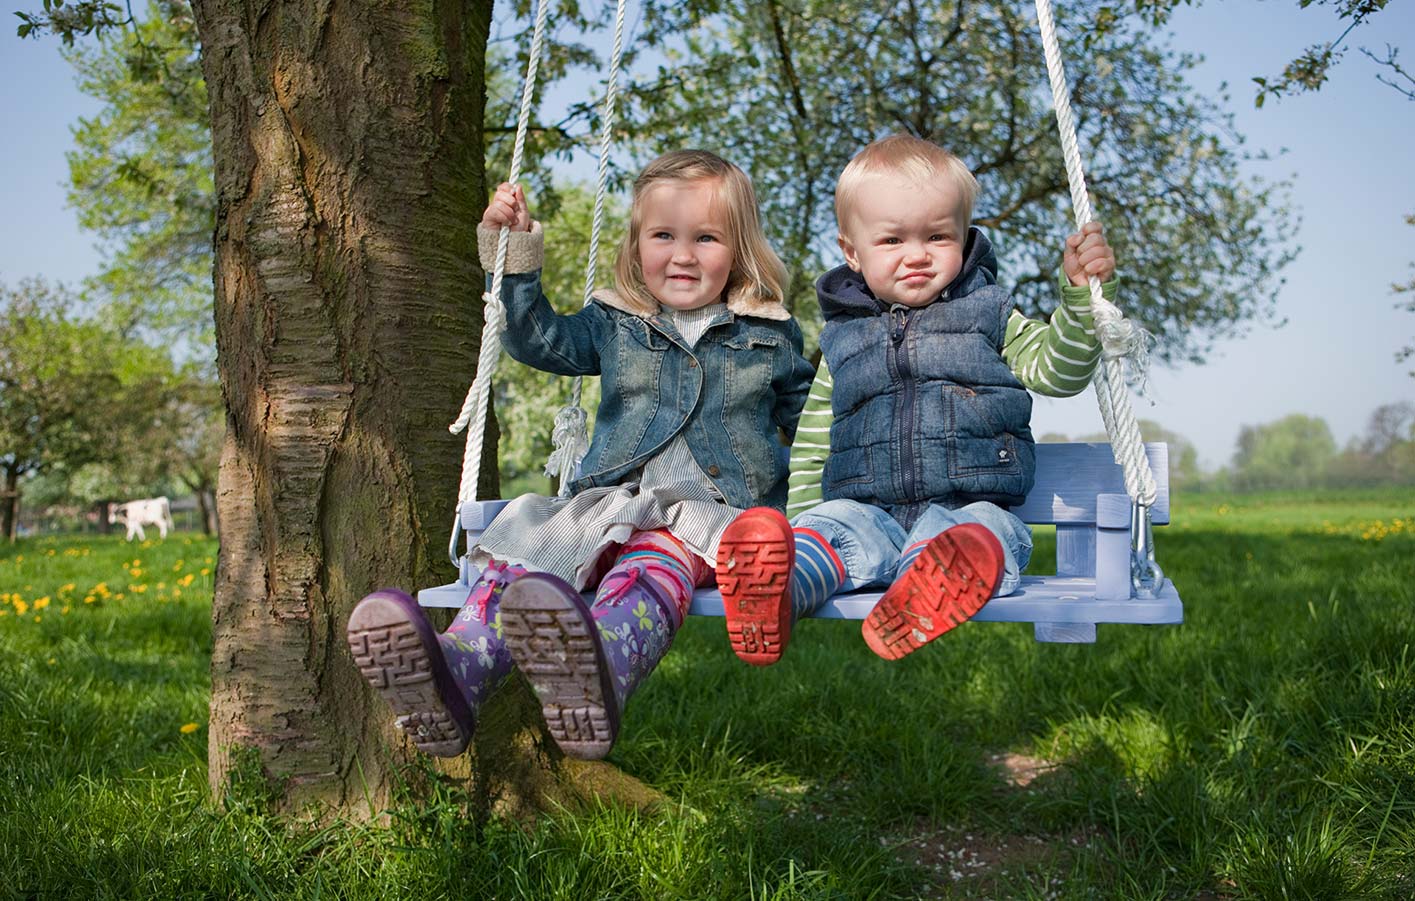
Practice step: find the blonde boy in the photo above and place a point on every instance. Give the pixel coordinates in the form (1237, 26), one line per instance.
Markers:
(927, 368)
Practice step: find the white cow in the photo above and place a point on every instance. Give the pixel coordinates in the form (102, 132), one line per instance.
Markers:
(151, 511)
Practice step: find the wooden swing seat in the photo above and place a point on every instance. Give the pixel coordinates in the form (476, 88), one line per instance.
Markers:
(1079, 489)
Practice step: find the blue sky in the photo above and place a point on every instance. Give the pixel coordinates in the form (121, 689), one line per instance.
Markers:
(1349, 150)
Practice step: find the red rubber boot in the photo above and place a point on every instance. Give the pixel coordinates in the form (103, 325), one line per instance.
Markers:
(949, 582)
(754, 561)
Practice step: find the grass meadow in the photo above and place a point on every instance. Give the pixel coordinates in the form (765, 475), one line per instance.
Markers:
(1264, 749)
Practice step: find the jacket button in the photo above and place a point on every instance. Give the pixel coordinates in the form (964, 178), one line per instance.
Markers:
(713, 470)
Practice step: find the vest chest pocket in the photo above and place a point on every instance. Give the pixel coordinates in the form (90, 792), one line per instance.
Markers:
(976, 443)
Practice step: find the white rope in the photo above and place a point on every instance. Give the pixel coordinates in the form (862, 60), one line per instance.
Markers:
(570, 436)
(1121, 340)
(478, 396)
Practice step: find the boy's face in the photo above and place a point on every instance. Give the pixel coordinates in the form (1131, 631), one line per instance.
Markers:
(905, 238)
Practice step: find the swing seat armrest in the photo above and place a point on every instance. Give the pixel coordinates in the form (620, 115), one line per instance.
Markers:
(477, 515)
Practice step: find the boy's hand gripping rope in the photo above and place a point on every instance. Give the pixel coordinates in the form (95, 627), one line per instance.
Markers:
(1121, 341)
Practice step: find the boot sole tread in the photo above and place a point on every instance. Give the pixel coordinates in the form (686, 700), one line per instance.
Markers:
(553, 646)
(753, 576)
(942, 589)
(394, 660)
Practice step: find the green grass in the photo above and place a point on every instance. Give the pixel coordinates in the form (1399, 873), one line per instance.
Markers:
(1265, 749)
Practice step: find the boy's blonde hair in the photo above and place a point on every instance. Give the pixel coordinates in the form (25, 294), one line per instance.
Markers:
(908, 157)
(757, 272)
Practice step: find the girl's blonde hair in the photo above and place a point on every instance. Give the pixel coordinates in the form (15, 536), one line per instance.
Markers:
(910, 158)
(757, 272)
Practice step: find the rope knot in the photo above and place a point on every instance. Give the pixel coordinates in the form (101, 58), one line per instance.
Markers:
(571, 438)
(1123, 340)
(493, 312)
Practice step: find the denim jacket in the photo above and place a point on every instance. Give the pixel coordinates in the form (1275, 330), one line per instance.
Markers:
(728, 395)
(926, 410)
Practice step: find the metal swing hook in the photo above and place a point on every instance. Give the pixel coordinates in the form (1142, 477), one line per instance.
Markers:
(452, 553)
(1146, 577)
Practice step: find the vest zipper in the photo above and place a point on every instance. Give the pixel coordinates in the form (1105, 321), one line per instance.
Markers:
(904, 414)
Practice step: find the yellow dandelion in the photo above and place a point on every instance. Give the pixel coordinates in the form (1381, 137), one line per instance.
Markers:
(89, 599)
(51, 552)
(205, 571)
(189, 728)
(37, 618)
(65, 589)
(64, 610)
(41, 603)
(177, 567)
(21, 608)
(118, 596)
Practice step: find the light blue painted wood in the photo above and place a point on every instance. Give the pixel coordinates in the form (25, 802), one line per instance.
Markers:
(1040, 599)
(1112, 547)
(1065, 633)
(477, 515)
(1076, 549)
(1079, 487)
(1069, 476)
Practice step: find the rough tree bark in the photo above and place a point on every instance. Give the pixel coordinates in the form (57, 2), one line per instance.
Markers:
(348, 154)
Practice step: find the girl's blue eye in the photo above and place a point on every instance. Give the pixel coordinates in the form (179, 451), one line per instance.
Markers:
(707, 238)
(939, 237)
(891, 240)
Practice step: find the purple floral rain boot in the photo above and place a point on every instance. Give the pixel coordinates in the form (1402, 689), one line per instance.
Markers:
(585, 661)
(475, 650)
(434, 683)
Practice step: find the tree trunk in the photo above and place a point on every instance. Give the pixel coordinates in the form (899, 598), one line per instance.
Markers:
(348, 152)
(208, 511)
(10, 505)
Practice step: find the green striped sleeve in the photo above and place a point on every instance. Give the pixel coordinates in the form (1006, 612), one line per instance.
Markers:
(812, 445)
(1056, 358)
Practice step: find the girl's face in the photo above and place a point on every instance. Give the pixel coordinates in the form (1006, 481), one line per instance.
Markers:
(683, 246)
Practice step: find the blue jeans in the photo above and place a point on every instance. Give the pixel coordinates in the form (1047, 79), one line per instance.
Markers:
(870, 542)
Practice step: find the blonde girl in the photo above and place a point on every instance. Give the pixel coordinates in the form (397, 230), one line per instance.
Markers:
(701, 377)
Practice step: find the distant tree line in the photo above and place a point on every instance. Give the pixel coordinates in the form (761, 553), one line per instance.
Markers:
(89, 411)
(1293, 453)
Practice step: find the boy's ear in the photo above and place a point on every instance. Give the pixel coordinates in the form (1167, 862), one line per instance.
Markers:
(852, 259)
